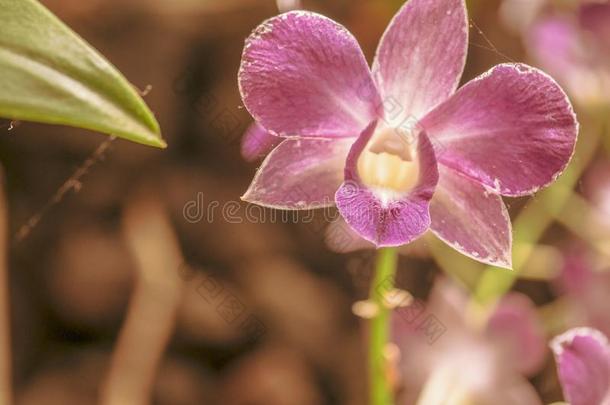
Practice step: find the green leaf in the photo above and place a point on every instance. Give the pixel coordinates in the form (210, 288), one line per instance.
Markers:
(49, 74)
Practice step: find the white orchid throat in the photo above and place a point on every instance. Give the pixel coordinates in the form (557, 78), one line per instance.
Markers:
(389, 164)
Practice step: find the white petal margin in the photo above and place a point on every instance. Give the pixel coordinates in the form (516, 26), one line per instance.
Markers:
(299, 174)
(470, 219)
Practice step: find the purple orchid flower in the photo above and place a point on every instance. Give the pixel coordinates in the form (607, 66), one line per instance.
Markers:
(397, 149)
(583, 364)
(467, 363)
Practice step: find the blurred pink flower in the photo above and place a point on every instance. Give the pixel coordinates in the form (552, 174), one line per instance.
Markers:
(398, 150)
(585, 277)
(570, 43)
(467, 364)
(586, 288)
(583, 364)
(596, 189)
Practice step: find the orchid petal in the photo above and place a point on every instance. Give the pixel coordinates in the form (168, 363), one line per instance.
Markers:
(300, 174)
(302, 73)
(512, 129)
(583, 364)
(421, 56)
(387, 221)
(470, 219)
(257, 142)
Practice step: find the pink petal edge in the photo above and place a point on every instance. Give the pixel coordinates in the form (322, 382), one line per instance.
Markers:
(304, 74)
(512, 129)
(471, 220)
(300, 174)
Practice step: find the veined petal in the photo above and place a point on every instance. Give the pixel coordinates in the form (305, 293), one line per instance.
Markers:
(421, 56)
(387, 219)
(257, 142)
(300, 174)
(470, 219)
(341, 238)
(583, 363)
(302, 73)
(512, 129)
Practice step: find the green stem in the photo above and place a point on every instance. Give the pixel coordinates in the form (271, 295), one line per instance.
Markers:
(383, 283)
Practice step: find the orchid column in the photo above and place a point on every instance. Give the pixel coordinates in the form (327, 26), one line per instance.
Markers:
(395, 148)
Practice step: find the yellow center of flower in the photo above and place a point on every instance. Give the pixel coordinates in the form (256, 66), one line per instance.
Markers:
(389, 162)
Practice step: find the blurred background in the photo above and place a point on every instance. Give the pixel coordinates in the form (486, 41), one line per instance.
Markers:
(133, 267)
